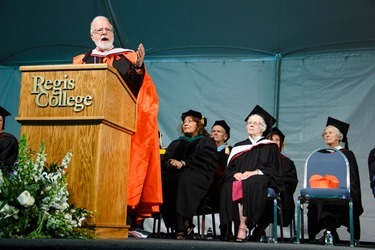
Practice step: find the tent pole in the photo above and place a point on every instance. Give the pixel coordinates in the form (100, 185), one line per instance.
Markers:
(277, 87)
(113, 19)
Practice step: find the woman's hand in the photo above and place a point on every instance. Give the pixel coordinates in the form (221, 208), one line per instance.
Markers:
(175, 163)
(238, 176)
(245, 175)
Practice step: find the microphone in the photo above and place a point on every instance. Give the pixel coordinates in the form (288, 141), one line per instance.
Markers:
(87, 55)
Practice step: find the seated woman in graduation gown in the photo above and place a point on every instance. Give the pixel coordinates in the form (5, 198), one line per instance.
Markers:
(189, 167)
(330, 217)
(253, 167)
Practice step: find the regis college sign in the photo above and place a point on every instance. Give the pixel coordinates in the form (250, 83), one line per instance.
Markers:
(56, 93)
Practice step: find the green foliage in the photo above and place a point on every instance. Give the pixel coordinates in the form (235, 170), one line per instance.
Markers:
(34, 199)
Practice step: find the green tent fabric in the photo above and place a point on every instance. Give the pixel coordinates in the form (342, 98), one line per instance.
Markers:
(46, 32)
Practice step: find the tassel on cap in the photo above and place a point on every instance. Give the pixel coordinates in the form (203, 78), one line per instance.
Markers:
(202, 120)
(227, 151)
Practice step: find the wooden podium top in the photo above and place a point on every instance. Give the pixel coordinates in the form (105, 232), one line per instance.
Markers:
(76, 93)
(59, 67)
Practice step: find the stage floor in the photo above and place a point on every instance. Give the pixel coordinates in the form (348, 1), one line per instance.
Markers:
(155, 243)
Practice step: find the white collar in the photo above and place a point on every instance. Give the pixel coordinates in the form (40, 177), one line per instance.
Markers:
(96, 52)
(253, 141)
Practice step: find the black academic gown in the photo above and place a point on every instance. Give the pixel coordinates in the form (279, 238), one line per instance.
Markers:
(318, 214)
(127, 71)
(371, 170)
(264, 157)
(8, 149)
(290, 181)
(184, 189)
(214, 193)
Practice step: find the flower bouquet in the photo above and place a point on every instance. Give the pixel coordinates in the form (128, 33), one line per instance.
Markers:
(34, 199)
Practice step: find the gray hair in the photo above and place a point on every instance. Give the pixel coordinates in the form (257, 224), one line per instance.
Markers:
(340, 136)
(262, 121)
(96, 18)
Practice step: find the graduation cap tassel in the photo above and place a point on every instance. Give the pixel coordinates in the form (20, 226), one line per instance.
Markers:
(227, 149)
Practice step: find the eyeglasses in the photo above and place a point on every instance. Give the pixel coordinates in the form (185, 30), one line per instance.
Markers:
(254, 123)
(102, 30)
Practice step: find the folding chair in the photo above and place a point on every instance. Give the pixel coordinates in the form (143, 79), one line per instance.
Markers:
(325, 161)
(277, 213)
(278, 220)
(207, 207)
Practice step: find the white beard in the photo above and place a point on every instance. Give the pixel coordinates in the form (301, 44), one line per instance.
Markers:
(104, 46)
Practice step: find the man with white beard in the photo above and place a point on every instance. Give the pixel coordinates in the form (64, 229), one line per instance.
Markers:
(144, 187)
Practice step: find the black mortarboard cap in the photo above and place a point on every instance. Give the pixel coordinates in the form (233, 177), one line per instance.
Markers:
(195, 114)
(258, 110)
(224, 125)
(277, 131)
(4, 113)
(342, 126)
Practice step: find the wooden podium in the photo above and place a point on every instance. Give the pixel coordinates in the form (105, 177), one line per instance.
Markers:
(87, 109)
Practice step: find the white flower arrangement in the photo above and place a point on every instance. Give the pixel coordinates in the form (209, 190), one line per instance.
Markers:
(25, 199)
(34, 199)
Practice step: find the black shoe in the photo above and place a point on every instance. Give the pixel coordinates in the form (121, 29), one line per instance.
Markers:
(190, 232)
(335, 235)
(256, 235)
(224, 234)
(180, 236)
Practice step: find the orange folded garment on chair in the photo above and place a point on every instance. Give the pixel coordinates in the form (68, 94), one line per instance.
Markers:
(327, 181)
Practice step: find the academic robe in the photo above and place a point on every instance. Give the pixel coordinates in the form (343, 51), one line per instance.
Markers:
(263, 156)
(185, 189)
(214, 193)
(371, 169)
(317, 214)
(144, 186)
(290, 180)
(8, 149)
(287, 189)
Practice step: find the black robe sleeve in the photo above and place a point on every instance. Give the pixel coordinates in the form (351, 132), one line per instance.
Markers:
(290, 181)
(371, 169)
(355, 184)
(8, 149)
(132, 76)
